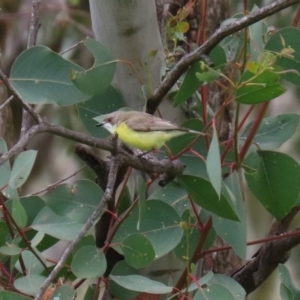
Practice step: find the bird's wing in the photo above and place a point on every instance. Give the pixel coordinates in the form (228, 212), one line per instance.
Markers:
(145, 122)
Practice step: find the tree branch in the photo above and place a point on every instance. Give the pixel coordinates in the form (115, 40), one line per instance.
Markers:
(255, 272)
(109, 191)
(186, 61)
(172, 168)
(34, 23)
(266, 260)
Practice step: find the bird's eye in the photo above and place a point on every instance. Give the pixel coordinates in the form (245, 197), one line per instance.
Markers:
(108, 119)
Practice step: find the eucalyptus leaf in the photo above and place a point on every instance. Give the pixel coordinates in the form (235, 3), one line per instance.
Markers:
(76, 201)
(213, 163)
(138, 251)
(65, 292)
(43, 76)
(5, 295)
(109, 101)
(89, 262)
(22, 168)
(59, 227)
(141, 284)
(287, 287)
(29, 284)
(18, 213)
(284, 43)
(203, 194)
(273, 178)
(273, 131)
(98, 78)
(161, 225)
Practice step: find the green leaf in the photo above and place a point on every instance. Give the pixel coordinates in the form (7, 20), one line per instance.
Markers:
(10, 249)
(173, 194)
(191, 82)
(286, 293)
(87, 240)
(181, 142)
(98, 78)
(141, 284)
(37, 239)
(203, 194)
(273, 131)
(182, 27)
(59, 227)
(65, 292)
(203, 280)
(138, 251)
(213, 292)
(125, 201)
(4, 233)
(47, 242)
(161, 225)
(89, 262)
(32, 264)
(42, 76)
(213, 164)
(273, 177)
(287, 287)
(141, 186)
(4, 295)
(22, 168)
(234, 233)
(194, 165)
(122, 268)
(29, 284)
(261, 87)
(285, 42)
(221, 287)
(256, 34)
(5, 172)
(18, 213)
(75, 201)
(107, 102)
(234, 43)
(32, 206)
(208, 75)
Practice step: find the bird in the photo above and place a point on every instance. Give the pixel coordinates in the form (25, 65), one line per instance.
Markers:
(142, 130)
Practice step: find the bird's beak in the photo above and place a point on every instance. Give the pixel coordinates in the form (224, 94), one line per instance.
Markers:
(100, 124)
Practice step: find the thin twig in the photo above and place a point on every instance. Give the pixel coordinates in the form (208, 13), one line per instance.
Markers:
(6, 102)
(114, 165)
(207, 46)
(72, 47)
(53, 185)
(34, 23)
(172, 168)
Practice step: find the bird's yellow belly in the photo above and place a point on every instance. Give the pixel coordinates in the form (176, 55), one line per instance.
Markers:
(144, 140)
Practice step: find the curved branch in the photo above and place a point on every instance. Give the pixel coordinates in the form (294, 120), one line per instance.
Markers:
(272, 253)
(172, 168)
(207, 46)
(255, 272)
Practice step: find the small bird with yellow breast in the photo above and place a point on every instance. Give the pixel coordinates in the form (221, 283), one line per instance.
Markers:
(141, 130)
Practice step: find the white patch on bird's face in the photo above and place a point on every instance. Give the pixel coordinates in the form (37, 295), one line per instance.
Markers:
(108, 126)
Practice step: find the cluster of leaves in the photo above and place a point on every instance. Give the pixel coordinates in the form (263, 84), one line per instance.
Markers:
(168, 219)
